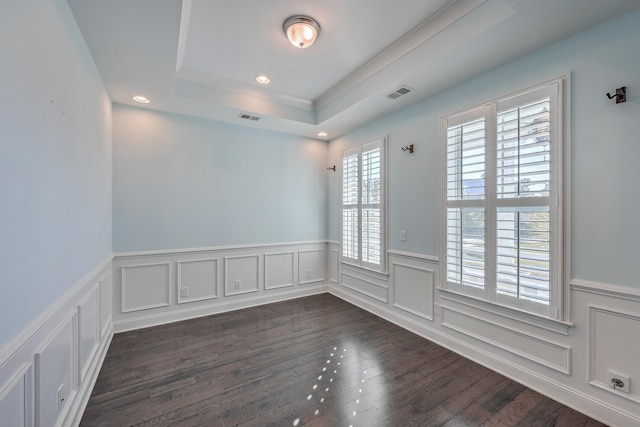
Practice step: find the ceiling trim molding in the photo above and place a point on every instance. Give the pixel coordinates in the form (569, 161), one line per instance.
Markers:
(419, 35)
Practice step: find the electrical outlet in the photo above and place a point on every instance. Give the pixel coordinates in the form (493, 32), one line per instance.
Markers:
(308, 274)
(618, 381)
(403, 235)
(184, 292)
(236, 284)
(60, 397)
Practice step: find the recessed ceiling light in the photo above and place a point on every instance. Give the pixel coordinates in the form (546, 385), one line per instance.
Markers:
(322, 134)
(263, 79)
(141, 99)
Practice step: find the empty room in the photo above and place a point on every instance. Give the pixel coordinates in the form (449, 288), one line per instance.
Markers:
(319, 213)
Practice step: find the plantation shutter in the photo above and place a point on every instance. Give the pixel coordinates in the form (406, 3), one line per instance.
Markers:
(502, 201)
(350, 205)
(363, 192)
(371, 204)
(523, 161)
(465, 193)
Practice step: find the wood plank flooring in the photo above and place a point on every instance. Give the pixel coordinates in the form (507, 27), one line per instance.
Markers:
(315, 361)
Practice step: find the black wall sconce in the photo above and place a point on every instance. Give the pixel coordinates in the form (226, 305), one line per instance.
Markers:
(408, 148)
(620, 96)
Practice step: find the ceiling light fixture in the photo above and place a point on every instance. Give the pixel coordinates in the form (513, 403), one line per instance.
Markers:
(301, 30)
(141, 99)
(322, 134)
(263, 79)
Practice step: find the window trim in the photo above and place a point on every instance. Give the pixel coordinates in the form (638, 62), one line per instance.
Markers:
(359, 263)
(558, 309)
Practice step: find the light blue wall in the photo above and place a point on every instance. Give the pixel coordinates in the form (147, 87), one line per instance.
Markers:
(183, 182)
(605, 150)
(55, 160)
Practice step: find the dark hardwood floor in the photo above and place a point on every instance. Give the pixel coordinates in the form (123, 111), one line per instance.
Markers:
(315, 361)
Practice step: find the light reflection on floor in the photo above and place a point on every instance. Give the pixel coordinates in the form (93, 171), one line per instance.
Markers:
(327, 376)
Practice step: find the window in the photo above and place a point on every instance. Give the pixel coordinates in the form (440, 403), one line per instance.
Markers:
(363, 212)
(502, 187)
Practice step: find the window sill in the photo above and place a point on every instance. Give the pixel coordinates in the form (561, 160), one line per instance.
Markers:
(553, 325)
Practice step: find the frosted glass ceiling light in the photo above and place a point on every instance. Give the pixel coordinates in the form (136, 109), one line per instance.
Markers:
(301, 30)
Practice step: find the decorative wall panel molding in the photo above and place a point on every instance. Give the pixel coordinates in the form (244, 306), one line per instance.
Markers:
(334, 262)
(413, 289)
(278, 270)
(614, 348)
(197, 280)
(518, 320)
(263, 274)
(106, 303)
(218, 279)
(88, 329)
(311, 266)
(543, 352)
(54, 374)
(241, 274)
(365, 287)
(16, 398)
(59, 354)
(146, 286)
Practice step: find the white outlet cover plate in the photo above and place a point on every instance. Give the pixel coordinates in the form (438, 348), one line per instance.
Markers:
(624, 378)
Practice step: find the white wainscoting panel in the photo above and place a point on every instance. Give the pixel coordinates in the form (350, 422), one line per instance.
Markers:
(413, 289)
(278, 270)
(58, 353)
(334, 262)
(565, 360)
(370, 288)
(146, 286)
(614, 345)
(199, 277)
(545, 353)
(311, 266)
(264, 273)
(106, 303)
(241, 274)
(16, 399)
(54, 375)
(89, 329)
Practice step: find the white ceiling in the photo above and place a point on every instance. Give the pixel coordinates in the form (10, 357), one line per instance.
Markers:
(201, 57)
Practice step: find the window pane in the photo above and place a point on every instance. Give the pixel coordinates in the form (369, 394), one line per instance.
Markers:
(371, 237)
(465, 161)
(371, 174)
(350, 180)
(523, 253)
(350, 233)
(466, 246)
(523, 155)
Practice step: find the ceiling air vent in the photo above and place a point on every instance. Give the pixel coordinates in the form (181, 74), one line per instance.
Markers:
(402, 90)
(246, 116)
